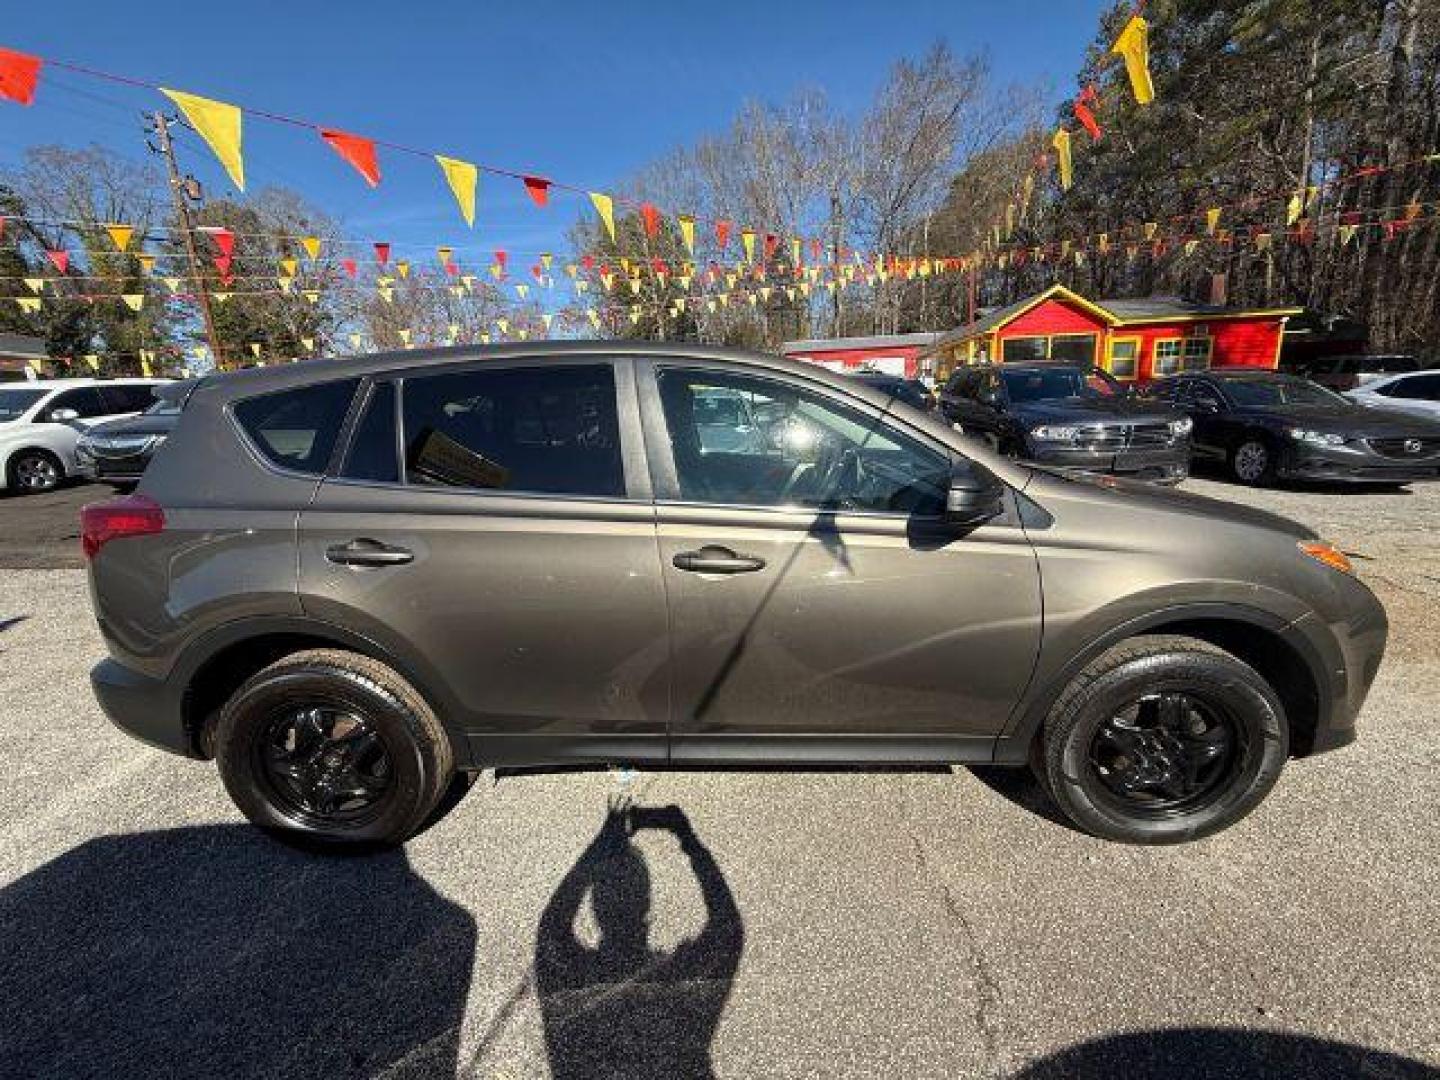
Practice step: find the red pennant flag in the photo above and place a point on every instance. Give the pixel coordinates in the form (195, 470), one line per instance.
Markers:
(61, 259)
(357, 150)
(815, 250)
(500, 258)
(587, 261)
(224, 240)
(2, 224)
(771, 243)
(651, 217)
(350, 267)
(451, 269)
(382, 252)
(538, 188)
(536, 272)
(222, 263)
(18, 74)
(1084, 111)
(722, 233)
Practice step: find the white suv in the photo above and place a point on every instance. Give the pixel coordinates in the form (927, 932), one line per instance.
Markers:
(41, 421)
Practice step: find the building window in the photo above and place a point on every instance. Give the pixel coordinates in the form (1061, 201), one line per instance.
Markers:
(1073, 348)
(1197, 353)
(1022, 349)
(1122, 358)
(1168, 355)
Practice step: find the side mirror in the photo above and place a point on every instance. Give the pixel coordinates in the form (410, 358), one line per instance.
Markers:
(975, 495)
(62, 416)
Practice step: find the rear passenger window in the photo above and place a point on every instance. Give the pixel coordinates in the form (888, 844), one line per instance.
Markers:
(546, 430)
(297, 429)
(373, 453)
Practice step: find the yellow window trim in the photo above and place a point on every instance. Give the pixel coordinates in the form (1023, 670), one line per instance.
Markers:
(1109, 365)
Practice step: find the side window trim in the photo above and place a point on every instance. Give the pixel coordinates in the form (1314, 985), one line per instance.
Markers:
(661, 456)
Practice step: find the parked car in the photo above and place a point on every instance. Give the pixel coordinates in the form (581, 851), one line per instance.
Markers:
(117, 451)
(41, 422)
(1266, 426)
(344, 581)
(1069, 416)
(1342, 373)
(1417, 393)
(911, 391)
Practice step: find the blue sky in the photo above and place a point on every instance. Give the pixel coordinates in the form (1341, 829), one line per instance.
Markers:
(584, 93)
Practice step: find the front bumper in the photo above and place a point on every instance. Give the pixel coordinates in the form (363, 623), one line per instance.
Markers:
(142, 707)
(1302, 461)
(1167, 464)
(115, 470)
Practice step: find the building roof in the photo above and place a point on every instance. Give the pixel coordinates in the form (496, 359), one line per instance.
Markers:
(22, 345)
(883, 341)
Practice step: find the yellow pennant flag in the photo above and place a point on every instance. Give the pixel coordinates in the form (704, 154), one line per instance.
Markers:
(1190, 246)
(1347, 233)
(747, 237)
(285, 283)
(795, 251)
(145, 368)
(1150, 228)
(687, 231)
(503, 325)
(605, 207)
(444, 254)
(1294, 209)
(35, 284)
(172, 283)
(308, 343)
(355, 341)
(147, 262)
(290, 266)
(405, 335)
(219, 125)
(680, 303)
(386, 293)
(255, 348)
(403, 269)
(593, 317)
(1212, 219)
(221, 296)
(28, 303)
(93, 361)
(120, 235)
(522, 291)
(634, 286)
(1134, 45)
(461, 176)
(1262, 241)
(634, 314)
(311, 244)
(546, 259)
(134, 301)
(1061, 142)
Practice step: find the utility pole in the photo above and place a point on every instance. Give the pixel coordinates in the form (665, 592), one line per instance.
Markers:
(182, 211)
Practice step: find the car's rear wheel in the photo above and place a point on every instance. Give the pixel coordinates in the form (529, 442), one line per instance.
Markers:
(33, 471)
(333, 747)
(1252, 461)
(1163, 739)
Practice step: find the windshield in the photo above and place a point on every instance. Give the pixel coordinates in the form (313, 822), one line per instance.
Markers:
(1279, 390)
(14, 403)
(1049, 384)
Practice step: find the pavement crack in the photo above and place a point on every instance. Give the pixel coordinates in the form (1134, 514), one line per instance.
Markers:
(988, 997)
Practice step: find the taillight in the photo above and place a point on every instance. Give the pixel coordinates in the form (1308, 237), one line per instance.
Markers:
(129, 515)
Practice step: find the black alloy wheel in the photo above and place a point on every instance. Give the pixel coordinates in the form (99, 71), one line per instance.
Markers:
(324, 765)
(1167, 753)
(34, 471)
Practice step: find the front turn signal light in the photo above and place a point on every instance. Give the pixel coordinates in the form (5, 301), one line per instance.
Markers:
(1328, 554)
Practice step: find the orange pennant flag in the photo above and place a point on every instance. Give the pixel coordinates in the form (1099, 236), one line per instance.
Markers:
(357, 150)
(219, 125)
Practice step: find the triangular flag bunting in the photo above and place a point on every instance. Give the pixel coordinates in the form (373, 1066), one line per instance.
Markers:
(219, 125)
(1134, 45)
(60, 259)
(147, 262)
(382, 252)
(134, 301)
(461, 176)
(357, 150)
(311, 244)
(290, 266)
(687, 231)
(605, 207)
(1061, 142)
(538, 188)
(35, 284)
(120, 235)
(19, 72)
(650, 217)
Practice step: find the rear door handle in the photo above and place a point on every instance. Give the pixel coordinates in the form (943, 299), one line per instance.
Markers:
(712, 559)
(366, 552)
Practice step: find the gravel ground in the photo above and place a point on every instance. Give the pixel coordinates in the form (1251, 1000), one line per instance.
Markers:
(894, 924)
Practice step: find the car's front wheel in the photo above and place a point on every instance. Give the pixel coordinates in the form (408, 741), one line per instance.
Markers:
(1252, 461)
(33, 471)
(1163, 739)
(333, 747)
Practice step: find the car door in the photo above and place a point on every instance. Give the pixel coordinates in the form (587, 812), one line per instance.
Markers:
(60, 435)
(492, 525)
(1207, 407)
(819, 606)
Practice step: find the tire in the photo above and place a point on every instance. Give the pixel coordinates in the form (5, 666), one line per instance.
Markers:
(1252, 461)
(34, 471)
(333, 748)
(1119, 777)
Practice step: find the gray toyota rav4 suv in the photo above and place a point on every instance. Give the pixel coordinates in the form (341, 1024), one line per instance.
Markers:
(348, 581)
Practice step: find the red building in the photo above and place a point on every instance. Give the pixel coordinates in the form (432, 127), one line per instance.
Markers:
(1135, 340)
(895, 354)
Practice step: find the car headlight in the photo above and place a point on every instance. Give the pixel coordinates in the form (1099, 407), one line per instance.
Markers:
(1181, 427)
(1055, 433)
(1316, 438)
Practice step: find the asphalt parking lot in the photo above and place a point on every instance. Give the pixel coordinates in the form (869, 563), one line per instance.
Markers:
(890, 924)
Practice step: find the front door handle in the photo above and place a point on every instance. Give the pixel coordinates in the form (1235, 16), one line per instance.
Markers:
(365, 552)
(712, 559)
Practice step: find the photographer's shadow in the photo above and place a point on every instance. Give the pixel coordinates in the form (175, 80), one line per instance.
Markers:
(216, 951)
(621, 1008)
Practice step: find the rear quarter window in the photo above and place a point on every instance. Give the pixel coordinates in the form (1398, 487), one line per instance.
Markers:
(297, 429)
